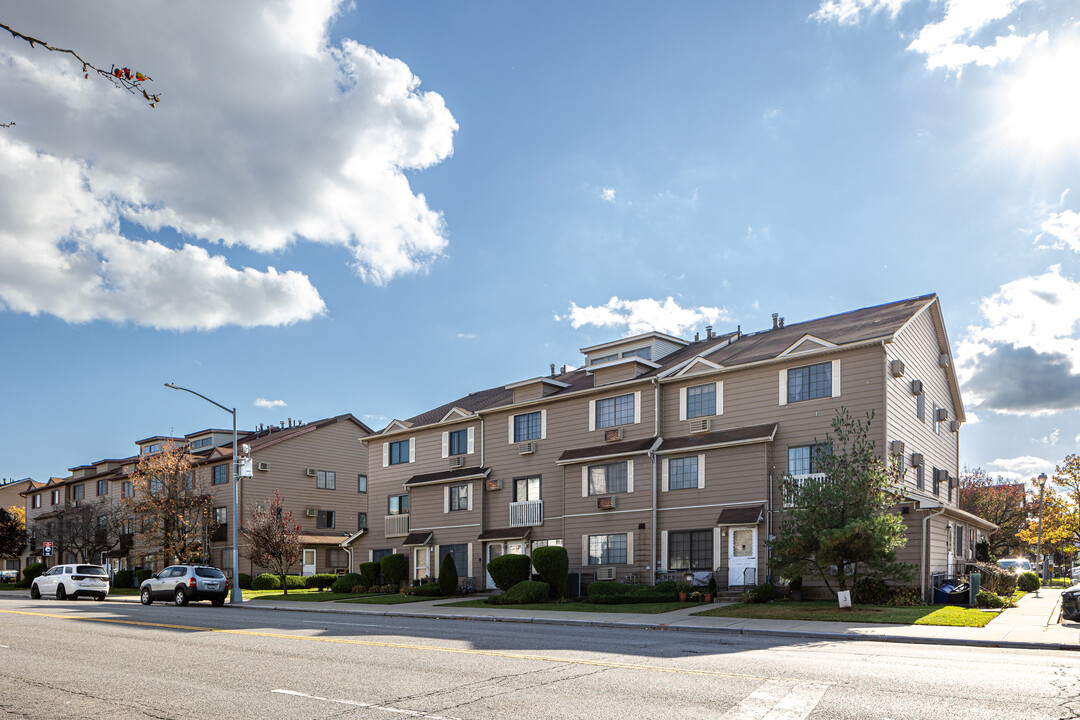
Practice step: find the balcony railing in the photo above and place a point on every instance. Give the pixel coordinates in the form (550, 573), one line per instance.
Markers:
(396, 525)
(803, 480)
(527, 513)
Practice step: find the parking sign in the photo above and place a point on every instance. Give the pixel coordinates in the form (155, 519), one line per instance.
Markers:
(46, 549)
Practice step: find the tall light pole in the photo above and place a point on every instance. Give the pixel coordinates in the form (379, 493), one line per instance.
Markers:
(237, 596)
(1038, 550)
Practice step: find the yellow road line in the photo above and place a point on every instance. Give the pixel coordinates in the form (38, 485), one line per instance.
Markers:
(400, 646)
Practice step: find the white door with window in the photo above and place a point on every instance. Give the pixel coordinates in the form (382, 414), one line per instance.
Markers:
(742, 556)
(309, 563)
(421, 562)
(494, 550)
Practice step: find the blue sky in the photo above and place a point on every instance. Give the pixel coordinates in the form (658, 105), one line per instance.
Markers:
(378, 207)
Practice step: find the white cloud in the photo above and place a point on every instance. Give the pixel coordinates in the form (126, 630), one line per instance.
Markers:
(466, 336)
(376, 418)
(264, 403)
(607, 194)
(1051, 439)
(850, 12)
(1064, 227)
(1024, 467)
(266, 135)
(1077, 440)
(644, 315)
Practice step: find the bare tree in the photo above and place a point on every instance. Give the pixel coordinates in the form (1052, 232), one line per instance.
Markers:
(275, 539)
(92, 528)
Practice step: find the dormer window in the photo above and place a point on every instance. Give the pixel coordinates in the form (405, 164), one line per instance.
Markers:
(645, 352)
(603, 359)
(201, 442)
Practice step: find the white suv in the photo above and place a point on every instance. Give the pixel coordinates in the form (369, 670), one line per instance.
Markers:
(71, 581)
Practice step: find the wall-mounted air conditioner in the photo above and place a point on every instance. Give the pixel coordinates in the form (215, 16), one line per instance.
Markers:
(526, 448)
(264, 466)
(916, 387)
(312, 472)
(896, 367)
(954, 425)
(612, 435)
(943, 360)
(896, 447)
(607, 573)
(311, 512)
(941, 415)
(916, 460)
(457, 461)
(605, 503)
(494, 484)
(699, 426)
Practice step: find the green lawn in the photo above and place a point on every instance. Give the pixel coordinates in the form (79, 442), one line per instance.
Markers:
(826, 610)
(9, 586)
(123, 591)
(298, 595)
(389, 599)
(637, 608)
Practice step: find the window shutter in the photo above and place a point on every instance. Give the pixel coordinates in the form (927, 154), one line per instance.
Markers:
(585, 551)
(446, 444)
(385, 454)
(682, 403)
(836, 378)
(412, 450)
(783, 387)
(637, 407)
(470, 559)
(718, 546)
(629, 548)
(511, 419)
(470, 491)
(664, 474)
(719, 397)
(630, 476)
(701, 471)
(663, 550)
(371, 556)
(543, 424)
(445, 499)
(584, 481)
(592, 415)
(438, 560)
(472, 434)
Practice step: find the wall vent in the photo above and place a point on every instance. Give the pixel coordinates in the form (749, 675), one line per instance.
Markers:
(264, 466)
(896, 367)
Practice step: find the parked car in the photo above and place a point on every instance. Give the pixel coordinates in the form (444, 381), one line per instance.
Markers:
(1074, 574)
(184, 583)
(72, 581)
(1016, 565)
(9, 576)
(1070, 603)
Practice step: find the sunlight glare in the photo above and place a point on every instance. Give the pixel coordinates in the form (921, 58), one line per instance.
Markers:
(1044, 102)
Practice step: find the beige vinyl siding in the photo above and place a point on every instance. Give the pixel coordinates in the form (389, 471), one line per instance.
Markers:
(616, 373)
(535, 391)
(427, 508)
(917, 346)
(733, 476)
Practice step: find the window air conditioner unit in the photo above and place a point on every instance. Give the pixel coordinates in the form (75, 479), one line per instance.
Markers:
(699, 426)
(311, 512)
(943, 360)
(941, 415)
(954, 425)
(494, 484)
(605, 503)
(916, 459)
(896, 447)
(607, 573)
(916, 387)
(312, 472)
(74, 503)
(953, 482)
(457, 461)
(896, 367)
(613, 435)
(264, 466)
(526, 448)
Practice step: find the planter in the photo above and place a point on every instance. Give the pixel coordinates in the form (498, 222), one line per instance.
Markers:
(796, 596)
(683, 596)
(708, 597)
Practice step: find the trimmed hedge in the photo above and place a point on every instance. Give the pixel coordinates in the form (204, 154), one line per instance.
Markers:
(245, 581)
(870, 590)
(525, 592)
(32, 571)
(266, 581)
(394, 569)
(368, 575)
(448, 577)
(143, 574)
(296, 582)
(1029, 582)
(552, 564)
(610, 592)
(987, 599)
(346, 583)
(509, 570)
(429, 589)
(122, 578)
(321, 580)
(904, 596)
(761, 594)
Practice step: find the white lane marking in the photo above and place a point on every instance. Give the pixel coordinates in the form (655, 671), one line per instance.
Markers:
(356, 625)
(778, 700)
(353, 703)
(3, 646)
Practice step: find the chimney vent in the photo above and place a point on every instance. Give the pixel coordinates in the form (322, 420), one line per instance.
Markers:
(552, 369)
(775, 321)
(781, 323)
(563, 369)
(708, 332)
(696, 336)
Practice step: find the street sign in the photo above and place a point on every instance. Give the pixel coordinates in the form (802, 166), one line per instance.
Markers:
(46, 549)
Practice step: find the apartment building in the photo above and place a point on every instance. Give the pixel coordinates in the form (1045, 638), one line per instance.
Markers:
(318, 467)
(11, 496)
(660, 456)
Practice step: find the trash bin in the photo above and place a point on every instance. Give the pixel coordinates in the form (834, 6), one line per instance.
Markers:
(951, 592)
(976, 586)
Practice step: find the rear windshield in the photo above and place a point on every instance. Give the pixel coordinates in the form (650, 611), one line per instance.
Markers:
(90, 570)
(209, 572)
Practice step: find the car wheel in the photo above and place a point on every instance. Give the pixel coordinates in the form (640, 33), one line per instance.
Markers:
(144, 596)
(217, 602)
(35, 593)
(180, 598)
(61, 593)
(100, 597)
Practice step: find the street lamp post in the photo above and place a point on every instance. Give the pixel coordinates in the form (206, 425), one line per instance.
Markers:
(237, 596)
(1038, 550)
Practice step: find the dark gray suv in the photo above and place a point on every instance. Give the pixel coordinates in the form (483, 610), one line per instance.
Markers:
(183, 583)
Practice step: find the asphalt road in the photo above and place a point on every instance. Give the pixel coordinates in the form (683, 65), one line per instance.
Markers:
(84, 659)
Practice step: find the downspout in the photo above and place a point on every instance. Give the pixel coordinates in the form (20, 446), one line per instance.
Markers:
(926, 551)
(348, 549)
(652, 456)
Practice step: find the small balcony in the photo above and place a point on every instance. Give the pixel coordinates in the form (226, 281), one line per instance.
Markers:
(803, 481)
(396, 525)
(527, 514)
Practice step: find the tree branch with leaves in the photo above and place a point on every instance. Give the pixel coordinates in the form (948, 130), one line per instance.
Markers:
(274, 539)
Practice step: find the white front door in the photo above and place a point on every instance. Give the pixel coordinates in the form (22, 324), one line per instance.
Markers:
(309, 563)
(494, 550)
(742, 556)
(420, 562)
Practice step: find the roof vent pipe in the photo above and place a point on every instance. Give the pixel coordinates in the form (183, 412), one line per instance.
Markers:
(563, 372)
(781, 323)
(708, 331)
(775, 321)
(696, 336)
(552, 369)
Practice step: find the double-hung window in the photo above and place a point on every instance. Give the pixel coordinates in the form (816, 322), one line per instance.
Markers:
(459, 498)
(399, 452)
(459, 442)
(221, 474)
(55, 497)
(361, 521)
(805, 459)
(77, 492)
(607, 549)
(102, 487)
(937, 481)
(326, 480)
(527, 427)
(221, 515)
(612, 412)
(701, 401)
(690, 551)
(398, 505)
(35, 501)
(361, 483)
(127, 489)
(325, 519)
(526, 489)
(683, 473)
(460, 553)
(920, 477)
(809, 382)
(607, 479)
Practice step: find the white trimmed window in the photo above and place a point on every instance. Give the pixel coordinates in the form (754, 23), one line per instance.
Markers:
(683, 473)
(458, 498)
(608, 549)
(528, 426)
(326, 480)
(810, 382)
(608, 479)
(458, 442)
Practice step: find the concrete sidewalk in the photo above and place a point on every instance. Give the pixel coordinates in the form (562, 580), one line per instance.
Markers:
(1033, 624)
